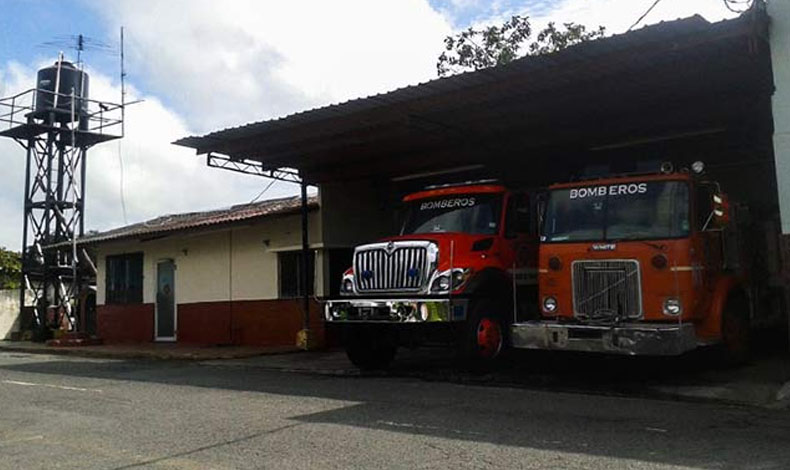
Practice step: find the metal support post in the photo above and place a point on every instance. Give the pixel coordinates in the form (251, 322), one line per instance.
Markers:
(305, 260)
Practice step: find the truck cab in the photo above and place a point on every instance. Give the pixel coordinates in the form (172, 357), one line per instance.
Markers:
(464, 253)
(638, 265)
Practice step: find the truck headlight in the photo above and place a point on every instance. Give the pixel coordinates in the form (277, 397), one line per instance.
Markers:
(347, 286)
(549, 304)
(672, 306)
(441, 283)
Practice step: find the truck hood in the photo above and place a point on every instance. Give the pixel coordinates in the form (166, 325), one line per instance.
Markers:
(460, 243)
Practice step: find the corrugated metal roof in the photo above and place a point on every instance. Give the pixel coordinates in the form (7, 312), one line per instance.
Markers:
(168, 224)
(670, 78)
(585, 52)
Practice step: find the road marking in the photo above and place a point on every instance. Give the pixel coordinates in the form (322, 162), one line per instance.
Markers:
(432, 428)
(59, 387)
(656, 430)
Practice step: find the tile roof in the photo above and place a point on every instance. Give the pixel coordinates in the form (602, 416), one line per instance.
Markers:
(167, 224)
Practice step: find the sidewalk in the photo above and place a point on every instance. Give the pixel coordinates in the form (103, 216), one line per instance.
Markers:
(156, 351)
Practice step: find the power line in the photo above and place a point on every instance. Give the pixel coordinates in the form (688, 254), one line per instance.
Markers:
(645, 14)
(123, 198)
(264, 191)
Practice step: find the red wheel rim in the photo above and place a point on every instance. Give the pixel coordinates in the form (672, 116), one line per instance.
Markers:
(489, 338)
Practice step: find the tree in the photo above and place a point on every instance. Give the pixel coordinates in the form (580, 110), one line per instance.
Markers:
(10, 269)
(475, 49)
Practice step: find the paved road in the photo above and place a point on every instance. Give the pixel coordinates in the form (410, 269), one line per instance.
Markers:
(58, 412)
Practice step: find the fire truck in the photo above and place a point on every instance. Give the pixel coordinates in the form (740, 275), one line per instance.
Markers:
(650, 264)
(460, 270)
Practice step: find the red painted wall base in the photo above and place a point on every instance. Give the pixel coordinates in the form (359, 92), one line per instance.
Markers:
(248, 323)
(125, 323)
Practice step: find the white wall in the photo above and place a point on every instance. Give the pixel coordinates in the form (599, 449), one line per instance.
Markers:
(779, 10)
(219, 264)
(9, 312)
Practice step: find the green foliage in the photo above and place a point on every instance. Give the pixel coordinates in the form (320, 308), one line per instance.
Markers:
(475, 49)
(10, 269)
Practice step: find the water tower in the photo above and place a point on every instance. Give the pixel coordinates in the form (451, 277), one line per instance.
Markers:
(56, 123)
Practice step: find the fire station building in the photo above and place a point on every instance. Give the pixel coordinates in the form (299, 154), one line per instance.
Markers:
(680, 91)
(229, 276)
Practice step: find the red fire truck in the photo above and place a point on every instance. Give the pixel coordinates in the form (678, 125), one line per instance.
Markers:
(649, 264)
(465, 252)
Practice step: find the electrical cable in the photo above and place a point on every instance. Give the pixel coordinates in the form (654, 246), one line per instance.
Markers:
(121, 183)
(255, 199)
(655, 3)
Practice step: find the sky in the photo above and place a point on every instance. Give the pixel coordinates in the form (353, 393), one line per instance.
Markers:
(205, 65)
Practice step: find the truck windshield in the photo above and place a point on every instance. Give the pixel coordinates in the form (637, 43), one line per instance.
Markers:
(476, 214)
(631, 211)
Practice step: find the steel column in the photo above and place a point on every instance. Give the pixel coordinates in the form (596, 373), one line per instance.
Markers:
(305, 259)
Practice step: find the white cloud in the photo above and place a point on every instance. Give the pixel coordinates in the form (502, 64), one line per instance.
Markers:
(616, 15)
(619, 15)
(224, 65)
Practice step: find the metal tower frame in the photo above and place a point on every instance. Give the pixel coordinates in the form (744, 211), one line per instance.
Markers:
(54, 199)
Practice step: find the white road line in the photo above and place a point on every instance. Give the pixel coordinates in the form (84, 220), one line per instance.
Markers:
(430, 428)
(662, 430)
(59, 387)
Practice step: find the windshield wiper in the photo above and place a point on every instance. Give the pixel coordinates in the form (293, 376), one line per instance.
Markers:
(650, 244)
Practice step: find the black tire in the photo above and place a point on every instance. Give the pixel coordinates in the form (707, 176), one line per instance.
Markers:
(484, 338)
(370, 347)
(736, 331)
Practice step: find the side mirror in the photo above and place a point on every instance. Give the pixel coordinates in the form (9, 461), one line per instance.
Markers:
(721, 211)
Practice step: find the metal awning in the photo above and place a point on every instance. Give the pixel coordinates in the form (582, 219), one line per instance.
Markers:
(681, 78)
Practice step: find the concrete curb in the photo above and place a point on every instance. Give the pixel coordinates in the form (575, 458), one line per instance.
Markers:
(163, 355)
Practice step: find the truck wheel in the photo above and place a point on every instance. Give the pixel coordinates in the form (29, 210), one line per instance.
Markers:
(370, 348)
(485, 336)
(736, 331)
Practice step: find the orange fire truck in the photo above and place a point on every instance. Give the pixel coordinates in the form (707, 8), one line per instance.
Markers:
(642, 265)
(463, 252)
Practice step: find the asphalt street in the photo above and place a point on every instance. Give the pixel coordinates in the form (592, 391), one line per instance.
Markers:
(64, 412)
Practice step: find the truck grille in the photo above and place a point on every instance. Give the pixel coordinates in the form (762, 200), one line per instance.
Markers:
(607, 290)
(381, 268)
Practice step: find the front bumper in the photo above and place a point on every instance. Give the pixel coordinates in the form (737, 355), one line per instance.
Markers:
(426, 310)
(625, 338)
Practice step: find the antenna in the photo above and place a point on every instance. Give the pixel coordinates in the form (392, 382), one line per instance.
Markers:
(123, 88)
(79, 43)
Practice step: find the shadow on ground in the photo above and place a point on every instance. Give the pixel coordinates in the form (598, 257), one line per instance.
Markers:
(698, 435)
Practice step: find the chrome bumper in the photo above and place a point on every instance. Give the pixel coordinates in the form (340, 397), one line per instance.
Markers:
(395, 310)
(626, 338)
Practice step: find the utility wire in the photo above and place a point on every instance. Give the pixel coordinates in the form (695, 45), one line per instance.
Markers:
(655, 3)
(264, 191)
(121, 185)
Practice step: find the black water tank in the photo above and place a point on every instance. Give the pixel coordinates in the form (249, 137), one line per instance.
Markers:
(70, 78)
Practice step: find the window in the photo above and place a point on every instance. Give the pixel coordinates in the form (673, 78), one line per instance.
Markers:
(634, 211)
(124, 281)
(291, 274)
(476, 214)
